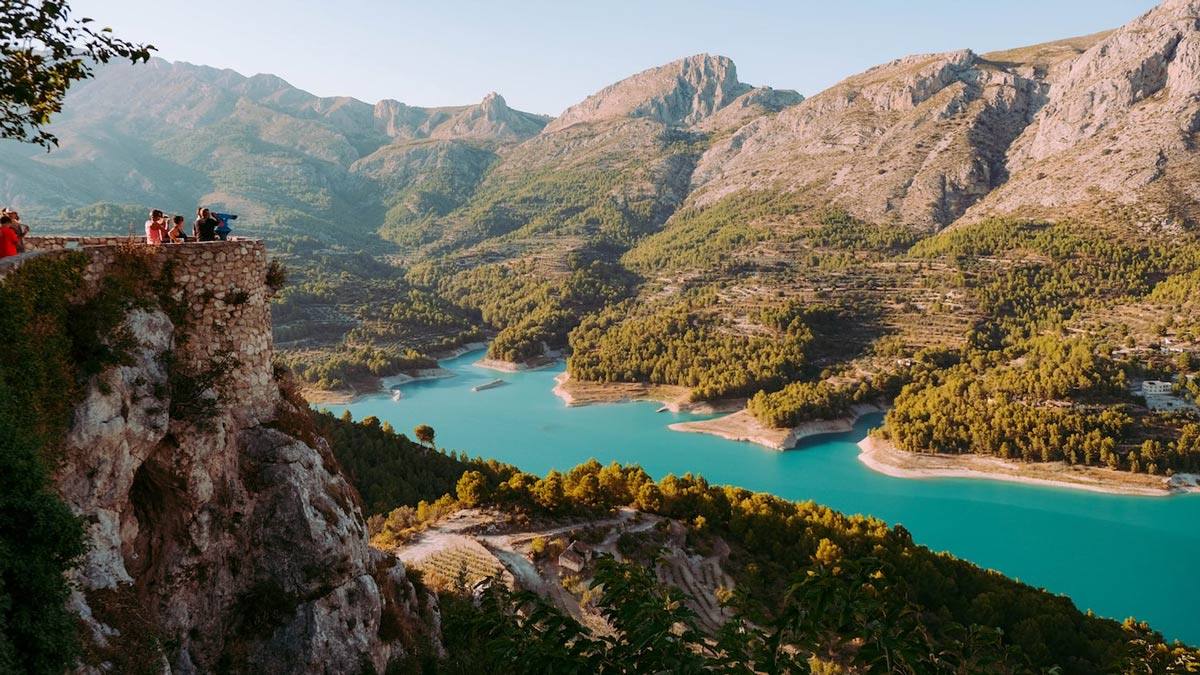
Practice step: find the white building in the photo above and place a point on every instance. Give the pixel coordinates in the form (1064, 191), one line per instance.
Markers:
(575, 558)
(1156, 388)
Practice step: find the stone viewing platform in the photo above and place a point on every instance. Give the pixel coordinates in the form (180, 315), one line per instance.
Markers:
(222, 288)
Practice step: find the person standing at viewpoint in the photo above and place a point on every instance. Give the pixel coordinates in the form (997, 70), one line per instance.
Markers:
(176, 233)
(205, 228)
(8, 237)
(18, 227)
(156, 228)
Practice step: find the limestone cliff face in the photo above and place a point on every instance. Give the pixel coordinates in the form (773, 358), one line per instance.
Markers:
(1101, 127)
(490, 120)
(917, 140)
(1118, 129)
(222, 535)
(682, 92)
(746, 108)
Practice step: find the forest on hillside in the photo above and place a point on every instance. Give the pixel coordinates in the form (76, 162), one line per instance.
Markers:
(816, 589)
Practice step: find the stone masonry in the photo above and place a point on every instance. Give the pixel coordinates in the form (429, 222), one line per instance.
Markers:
(223, 285)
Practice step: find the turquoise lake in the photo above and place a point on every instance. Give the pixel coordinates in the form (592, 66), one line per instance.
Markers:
(1119, 556)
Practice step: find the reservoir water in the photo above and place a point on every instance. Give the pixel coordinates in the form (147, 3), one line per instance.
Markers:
(1117, 555)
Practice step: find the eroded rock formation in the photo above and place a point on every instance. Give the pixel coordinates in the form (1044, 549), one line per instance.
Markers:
(222, 535)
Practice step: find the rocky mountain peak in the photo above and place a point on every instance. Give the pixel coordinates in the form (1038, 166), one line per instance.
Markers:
(1118, 126)
(918, 140)
(491, 120)
(682, 92)
(905, 83)
(495, 108)
(1158, 52)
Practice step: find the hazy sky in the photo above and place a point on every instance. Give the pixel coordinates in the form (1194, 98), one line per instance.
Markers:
(543, 55)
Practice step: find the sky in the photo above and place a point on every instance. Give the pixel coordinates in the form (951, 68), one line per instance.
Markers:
(543, 55)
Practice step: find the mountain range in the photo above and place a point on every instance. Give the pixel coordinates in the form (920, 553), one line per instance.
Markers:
(923, 141)
(670, 174)
(175, 134)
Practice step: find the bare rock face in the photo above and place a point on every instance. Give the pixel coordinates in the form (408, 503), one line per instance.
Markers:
(1159, 52)
(491, 119)
(218, 546)
(917, 140)
(1118, 128)
(749, 106)
(682, 92)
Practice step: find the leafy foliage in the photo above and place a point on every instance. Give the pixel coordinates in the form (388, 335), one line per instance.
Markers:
(844, 589)
(39, 537)
(43, 49)
(839, 230)
(803, 401)
(702, 237)
(355, 366)
(1065, 268)
(1047, 399)
(683, 345)
(1024, 390)
(387, 468)
(530, 309)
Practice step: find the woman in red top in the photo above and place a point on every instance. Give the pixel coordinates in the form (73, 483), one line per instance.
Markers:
(8, 238)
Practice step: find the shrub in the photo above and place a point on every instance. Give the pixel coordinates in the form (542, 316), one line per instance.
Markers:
(39, 537)
(277, 275)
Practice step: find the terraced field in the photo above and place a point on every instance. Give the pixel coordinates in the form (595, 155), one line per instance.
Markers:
(699, 579)
(466, 563)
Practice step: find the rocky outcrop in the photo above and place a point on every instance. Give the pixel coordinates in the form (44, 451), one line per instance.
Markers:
(491, 120)
(748, 107)
(917, 141)
(1157, 53)
(1118, 130)
(682, 92)
(221, 537)
(1101, 127)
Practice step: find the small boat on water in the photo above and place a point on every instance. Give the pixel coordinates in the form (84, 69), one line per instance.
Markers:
(489, 385)
(662, 409)
(397, 395)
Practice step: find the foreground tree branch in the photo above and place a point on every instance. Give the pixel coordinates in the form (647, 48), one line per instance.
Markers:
(43, 49)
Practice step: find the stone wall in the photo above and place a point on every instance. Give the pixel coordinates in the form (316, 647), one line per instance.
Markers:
(223, 287)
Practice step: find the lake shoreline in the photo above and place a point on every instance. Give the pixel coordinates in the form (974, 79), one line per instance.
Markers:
(318, 396)
(738, 424)
(742, 426)
(882, 456)
(577, 393)
(516, 366)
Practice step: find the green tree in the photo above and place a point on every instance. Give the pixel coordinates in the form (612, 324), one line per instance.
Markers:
(39, 537)
(472, 488)
(424, 433)
(43, 49)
